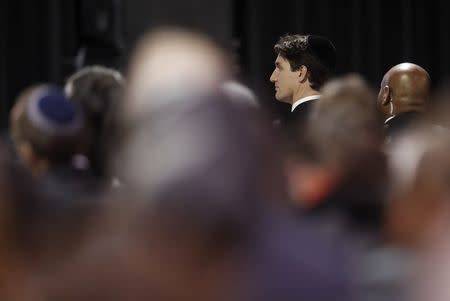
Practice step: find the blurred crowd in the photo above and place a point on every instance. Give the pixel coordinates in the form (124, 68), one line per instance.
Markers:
(170, 181)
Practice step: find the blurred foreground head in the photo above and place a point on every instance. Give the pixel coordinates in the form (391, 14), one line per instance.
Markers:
(97, 90)
(183, 131)
(202, 154)
(340, 158)
(172, 62)
(46, 128)
(190, 147)
(345, 125)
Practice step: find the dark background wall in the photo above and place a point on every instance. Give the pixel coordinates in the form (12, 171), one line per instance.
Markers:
(46, 40)
(370, 36)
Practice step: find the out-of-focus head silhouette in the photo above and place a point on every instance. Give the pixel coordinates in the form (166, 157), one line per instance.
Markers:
(98, 90)
(202, 161)
(172, 62)
(45, 127)
(180, 125)
(404, 88)
(344, 126)
(203, 143)
(341, 158)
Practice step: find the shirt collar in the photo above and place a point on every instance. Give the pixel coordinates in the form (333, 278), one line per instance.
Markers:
(303, 100)
(389, 119)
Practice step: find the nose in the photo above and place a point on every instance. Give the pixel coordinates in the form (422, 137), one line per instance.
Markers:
(273, 77)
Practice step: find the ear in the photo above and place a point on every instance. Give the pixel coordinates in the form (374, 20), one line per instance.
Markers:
(302, 74)
(385, 95)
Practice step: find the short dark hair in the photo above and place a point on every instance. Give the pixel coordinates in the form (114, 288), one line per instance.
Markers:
(318, 57)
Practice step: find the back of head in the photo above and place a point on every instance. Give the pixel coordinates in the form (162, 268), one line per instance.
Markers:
(207, 141)
(172, 62)
(407, 86)
(317, 53)
(44, 122)
(98, 91)
(347, 136)
(345, 124)
(185, 134)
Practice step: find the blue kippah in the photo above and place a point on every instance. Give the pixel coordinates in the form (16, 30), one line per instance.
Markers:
(49, 110)
(56, 108)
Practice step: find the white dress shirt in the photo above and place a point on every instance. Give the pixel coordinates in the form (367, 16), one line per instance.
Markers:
(387, 120)
(303, 100)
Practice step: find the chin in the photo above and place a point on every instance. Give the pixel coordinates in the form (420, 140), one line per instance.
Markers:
(278, 97)
(282, 99)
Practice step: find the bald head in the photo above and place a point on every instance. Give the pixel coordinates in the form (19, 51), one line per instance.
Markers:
(404, 88)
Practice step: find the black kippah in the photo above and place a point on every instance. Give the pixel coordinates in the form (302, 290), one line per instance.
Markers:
(322, 49)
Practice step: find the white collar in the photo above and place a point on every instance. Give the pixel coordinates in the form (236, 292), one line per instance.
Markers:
(303, 100)
(389, 119)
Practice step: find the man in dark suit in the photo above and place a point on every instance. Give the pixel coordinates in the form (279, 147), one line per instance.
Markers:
(303, 64)
(403, 96)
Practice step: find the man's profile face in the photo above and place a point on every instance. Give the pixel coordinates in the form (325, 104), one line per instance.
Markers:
(286, 81)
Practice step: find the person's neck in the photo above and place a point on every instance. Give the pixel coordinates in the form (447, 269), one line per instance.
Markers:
(303, 92)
